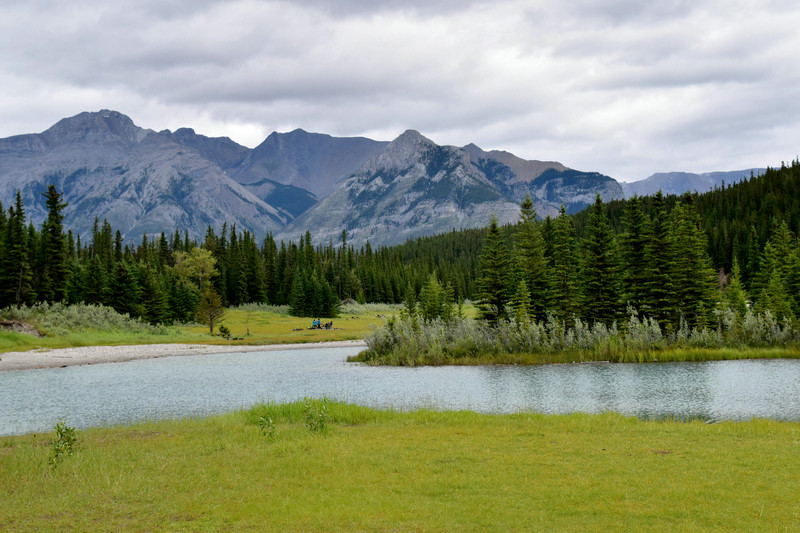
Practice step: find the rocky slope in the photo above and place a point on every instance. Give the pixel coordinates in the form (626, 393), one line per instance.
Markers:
(415, 187)
(146, 182)
(140, 180)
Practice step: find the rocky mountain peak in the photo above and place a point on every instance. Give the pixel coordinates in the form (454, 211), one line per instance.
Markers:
(99, 126)
(145, 182)
(402, 152)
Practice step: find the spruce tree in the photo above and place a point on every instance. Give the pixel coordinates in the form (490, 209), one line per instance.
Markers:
(493, 282)
(634, 256)
(563, 281)
(531, 260)
(774, 297)
(94, 282)
(521, 303)
(54, 276)
(600, 272)
(734, 294)
(658, 281)
(124, 291)
(778, 260)
(155, 308)
(16, 278)
(692, 276)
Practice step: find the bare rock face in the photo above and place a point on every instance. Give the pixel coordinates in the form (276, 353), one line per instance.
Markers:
(414, 188)
(147, 182)
(313, 162)
(141, 181)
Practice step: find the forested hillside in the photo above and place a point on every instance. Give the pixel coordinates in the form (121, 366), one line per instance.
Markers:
(667, 257)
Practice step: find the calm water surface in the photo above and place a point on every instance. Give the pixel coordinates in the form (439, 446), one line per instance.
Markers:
(176, 387)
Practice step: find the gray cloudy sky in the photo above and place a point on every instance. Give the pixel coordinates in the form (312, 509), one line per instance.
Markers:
(623, 87)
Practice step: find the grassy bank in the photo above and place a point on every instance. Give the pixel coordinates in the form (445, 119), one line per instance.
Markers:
(668, 355)
(86, 326)
(381, 470)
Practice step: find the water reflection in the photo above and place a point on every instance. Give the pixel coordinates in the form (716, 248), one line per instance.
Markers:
(33, 400)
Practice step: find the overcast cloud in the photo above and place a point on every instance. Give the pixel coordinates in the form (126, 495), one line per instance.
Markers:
(623, 87)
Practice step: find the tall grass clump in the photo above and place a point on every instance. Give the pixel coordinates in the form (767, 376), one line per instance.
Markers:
(352, 308)
(264, 308)
(410, 340)
(60, 319)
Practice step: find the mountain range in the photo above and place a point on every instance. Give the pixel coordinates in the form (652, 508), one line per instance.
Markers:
(680, 182)
(147, 182)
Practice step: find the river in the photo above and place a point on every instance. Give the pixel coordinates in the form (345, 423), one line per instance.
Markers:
(177, 387)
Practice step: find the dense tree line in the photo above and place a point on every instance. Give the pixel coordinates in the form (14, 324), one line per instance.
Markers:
(171, 278)
(657, 265)
(670, 258)
(738, 219)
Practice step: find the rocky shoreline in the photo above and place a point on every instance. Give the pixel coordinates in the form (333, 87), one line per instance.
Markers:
(90, 355)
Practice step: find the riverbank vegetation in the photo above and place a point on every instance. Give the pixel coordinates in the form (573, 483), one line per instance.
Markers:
(63, 326)
(425, 470)
(648, 293)
(678, 261)
(413, 341)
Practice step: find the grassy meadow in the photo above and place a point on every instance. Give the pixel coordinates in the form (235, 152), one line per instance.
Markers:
(421, 470)
(248, 324)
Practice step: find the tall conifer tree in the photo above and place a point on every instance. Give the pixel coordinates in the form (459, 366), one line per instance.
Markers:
(493, 281)
(658, 282)
(531, 260)
(600, 272)
(54, 277)
(634, 256)
(563, 272)
(692, 275)
(16, 278)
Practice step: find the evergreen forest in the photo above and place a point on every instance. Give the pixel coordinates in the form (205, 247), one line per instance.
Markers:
(673, 259)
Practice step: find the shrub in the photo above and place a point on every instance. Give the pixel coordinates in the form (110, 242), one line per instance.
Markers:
(317, 415)
(410, 341)
(60, 319)
(64, 444)
(267, 425)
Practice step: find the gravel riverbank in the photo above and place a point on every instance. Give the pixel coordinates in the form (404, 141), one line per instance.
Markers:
(90, 355)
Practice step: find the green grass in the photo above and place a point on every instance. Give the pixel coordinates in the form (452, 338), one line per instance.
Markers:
(423, 470)
(651, 356)
(266, 326)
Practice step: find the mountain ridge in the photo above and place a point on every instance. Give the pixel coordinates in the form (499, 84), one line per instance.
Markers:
(145, 182)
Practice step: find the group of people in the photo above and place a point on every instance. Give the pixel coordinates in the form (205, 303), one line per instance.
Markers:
(317, 324)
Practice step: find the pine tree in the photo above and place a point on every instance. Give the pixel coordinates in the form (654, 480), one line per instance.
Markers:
(522, 303)
(435, 301)
(16, 278)
(778, 260)
(94, 282)
(634, 256)
(155, 308)
(124, 291)
(531, 260)
(734, 294)
(658, 281)
(563, 282)
(692, 276)
(493, 283)
(600, 273)
(54, 277)
(773, 297)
